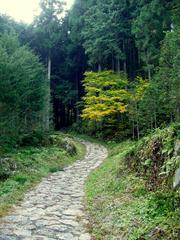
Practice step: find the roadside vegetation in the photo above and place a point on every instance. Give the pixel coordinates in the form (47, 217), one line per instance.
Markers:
(24, 166)
(108, 69)
(127, 199)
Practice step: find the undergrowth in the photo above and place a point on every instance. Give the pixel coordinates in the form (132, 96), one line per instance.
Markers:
(119, 201)
(23, 167)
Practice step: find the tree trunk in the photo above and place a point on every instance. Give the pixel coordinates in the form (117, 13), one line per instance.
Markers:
(177, 113)
(99, 67)
(137, 122)
(48, 98)
(155, 119)
(112, 62)
(149, 73)
(124, 64)
(118, 65)
(49, 68)
(67, 116)
(151, 123)
(138, 134)
(133, 129)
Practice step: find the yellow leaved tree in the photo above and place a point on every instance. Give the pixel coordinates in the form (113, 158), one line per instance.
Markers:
(106, 95)
(110, 102)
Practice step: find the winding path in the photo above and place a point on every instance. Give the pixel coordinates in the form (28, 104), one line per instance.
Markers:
(54, 209)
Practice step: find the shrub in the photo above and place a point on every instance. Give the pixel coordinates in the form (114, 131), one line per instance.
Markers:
(153, 157)
(8, 166)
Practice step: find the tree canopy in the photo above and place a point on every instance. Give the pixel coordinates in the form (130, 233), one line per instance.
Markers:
(22, 88)
(88, 53)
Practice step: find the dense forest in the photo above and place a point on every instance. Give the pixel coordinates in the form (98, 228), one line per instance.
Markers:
(131, 46)
(108, 69)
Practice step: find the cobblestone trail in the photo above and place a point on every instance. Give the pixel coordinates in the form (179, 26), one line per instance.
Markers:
(54, 209)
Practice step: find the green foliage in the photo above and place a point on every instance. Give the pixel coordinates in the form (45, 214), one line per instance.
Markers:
(119, 203)
(153, 157)
(25, 166)
(154, 19)
(102, 28)
(35, 138)
(129, 36)
(109, 104)
(167, 77)
(48, 23)
(113, 38)
(55, 169)
(20, 179)
(7, 167)
(22, 89)
(65, 92)
(29, 152)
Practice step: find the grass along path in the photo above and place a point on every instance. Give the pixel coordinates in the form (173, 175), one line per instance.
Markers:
(32, 164)
(54, 209)
(120, 207)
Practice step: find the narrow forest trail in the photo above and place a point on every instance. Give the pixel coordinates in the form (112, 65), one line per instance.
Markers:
(54, 209)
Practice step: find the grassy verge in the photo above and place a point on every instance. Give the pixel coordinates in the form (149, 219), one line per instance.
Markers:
(121, 207)
(31, 164)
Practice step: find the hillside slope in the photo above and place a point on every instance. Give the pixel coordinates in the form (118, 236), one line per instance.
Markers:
(130, 196)
(24, 166)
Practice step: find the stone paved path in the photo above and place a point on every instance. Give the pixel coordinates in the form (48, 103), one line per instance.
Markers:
(54, 209)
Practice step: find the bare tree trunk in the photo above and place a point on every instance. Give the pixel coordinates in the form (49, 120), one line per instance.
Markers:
(48, 98)
(118, 65)
(171, 114)
(137, 122)
(151, 123)
(149, 74)
(99, 67)
(139, 58)
(177, 113)
(49, 68)
(124, 65)
(133, 129)
(112, 62)
(155, 119)
(138, 134)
